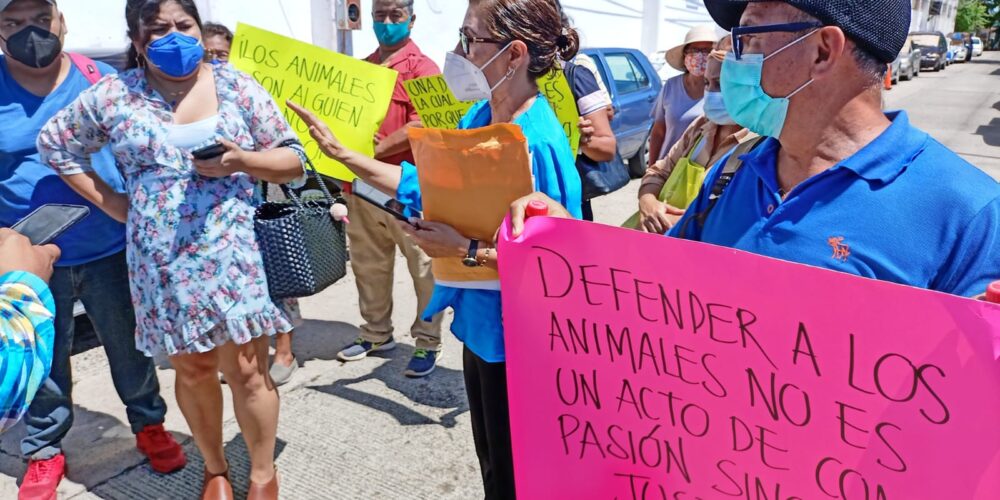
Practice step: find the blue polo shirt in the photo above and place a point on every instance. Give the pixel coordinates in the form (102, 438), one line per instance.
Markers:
(478, 320)
(26, 183)
(903, 209)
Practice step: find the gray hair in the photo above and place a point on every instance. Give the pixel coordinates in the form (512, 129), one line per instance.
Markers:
(406, 5)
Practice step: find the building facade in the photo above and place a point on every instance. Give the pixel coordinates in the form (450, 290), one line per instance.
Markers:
(933, 15)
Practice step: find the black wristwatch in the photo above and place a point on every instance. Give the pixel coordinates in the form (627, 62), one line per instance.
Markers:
(470, 258)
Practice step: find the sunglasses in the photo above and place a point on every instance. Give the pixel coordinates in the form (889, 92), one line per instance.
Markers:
(740, 31)
(467, 40)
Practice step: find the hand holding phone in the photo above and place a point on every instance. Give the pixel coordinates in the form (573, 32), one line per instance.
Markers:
(209, 152)
(383, 201)
(49, 221)
(18, 254)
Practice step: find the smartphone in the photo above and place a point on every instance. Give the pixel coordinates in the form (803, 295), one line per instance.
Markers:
(381, 200)
(209, 152)
(49, 221)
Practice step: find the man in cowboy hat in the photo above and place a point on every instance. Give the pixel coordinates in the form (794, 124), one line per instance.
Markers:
(680, 99)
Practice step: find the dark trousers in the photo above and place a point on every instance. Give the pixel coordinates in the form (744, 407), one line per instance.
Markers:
(103, 287)
(588, 211)
(486, 386)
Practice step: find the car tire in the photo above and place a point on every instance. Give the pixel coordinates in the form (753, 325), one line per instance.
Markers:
(637, 163)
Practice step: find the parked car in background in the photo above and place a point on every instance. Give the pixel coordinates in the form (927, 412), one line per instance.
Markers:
(977, 46)
(933, 49)
(895, 68)
(960, 52)
(634, 86)
(909, 61)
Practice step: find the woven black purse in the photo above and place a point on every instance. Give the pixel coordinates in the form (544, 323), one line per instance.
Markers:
(303, 248)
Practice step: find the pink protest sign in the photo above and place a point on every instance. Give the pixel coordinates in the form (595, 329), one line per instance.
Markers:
(644, 367)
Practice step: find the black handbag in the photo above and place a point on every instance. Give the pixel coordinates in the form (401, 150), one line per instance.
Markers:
(303, 248)
(598, 177)
(601, 177)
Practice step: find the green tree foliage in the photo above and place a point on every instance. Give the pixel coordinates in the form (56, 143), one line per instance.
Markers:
(992, 12)
(972, 15)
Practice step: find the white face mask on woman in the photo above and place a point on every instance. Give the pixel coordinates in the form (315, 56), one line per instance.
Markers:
(466, 80)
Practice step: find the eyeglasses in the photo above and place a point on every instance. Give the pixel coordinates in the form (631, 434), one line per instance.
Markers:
(741, 31)
(467, 40)
(390, 16)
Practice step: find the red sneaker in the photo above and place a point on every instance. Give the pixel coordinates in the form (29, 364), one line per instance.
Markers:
(164, 454)
(42, 478)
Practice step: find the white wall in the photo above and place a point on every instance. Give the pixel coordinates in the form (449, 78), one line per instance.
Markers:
(98, 26)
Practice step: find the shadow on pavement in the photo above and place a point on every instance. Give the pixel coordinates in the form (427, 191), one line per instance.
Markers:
(98, 447)
(322, 339)
(186, 483)
(980, 60)
(991, 132)
(444, 388)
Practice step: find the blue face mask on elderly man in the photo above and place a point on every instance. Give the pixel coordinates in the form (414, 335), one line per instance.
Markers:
(744, 94)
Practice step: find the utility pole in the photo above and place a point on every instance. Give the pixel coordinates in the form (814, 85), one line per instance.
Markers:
(650, 26)
(329, 24)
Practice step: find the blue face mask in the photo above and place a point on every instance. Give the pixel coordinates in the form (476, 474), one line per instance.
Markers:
(745, 98)
(176, 54)
(715, 109)
(389, 34)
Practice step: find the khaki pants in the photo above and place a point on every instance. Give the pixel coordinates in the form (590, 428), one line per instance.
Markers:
(374, 238)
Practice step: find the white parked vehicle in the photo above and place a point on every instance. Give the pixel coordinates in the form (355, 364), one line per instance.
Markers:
(960, 53)
(977, 46)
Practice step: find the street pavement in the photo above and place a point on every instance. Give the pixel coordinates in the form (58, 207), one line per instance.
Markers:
(364, 431)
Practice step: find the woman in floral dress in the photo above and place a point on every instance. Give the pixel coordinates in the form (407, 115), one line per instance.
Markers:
(197, 278)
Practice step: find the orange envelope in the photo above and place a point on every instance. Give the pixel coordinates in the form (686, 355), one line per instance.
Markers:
(468, 179)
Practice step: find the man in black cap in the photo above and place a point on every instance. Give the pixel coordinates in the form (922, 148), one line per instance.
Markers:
(37, 80)
(836, 182)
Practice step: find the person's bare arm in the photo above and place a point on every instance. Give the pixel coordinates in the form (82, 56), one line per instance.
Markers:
(597, 140)
(93, 189)
(656, 138)
(383, 176)
(395, 143)
(279, 165)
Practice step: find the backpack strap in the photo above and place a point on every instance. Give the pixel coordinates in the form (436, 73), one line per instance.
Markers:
(87, 66)
(729, 170)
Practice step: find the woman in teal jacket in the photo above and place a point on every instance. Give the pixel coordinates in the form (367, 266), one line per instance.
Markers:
(505, 46)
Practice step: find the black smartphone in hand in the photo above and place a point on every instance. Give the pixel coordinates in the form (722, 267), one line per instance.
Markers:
(209, 152)
(49, 221)
(381, 200)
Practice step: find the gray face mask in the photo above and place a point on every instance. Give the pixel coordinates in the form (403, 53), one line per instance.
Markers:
(34, 47)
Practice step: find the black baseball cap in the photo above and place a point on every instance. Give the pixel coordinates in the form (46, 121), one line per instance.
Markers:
(878, 26)
(6, 3)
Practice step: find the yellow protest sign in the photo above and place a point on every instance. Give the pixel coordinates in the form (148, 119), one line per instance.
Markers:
(556, 89)
(434, 102)
(439, 108)
(350, 95)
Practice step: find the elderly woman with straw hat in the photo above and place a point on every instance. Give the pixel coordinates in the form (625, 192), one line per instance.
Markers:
(680, 100)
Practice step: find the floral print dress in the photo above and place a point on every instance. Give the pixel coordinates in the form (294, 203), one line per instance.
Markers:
(196, 273)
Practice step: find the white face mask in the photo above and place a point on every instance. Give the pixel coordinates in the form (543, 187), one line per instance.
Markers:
(466, 80)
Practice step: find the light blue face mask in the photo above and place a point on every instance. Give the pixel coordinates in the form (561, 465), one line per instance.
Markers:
(715, 109)
(389, 34)
(745, 98)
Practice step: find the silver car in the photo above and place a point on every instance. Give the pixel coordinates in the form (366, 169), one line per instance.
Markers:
(909, 61)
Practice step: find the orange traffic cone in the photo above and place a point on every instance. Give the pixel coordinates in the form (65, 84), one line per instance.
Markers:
(888, 78)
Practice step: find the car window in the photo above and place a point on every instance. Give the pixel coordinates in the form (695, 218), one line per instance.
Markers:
(928, 40)
(626, 73)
